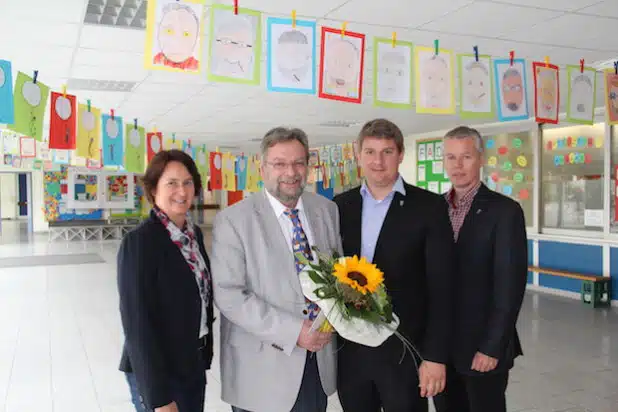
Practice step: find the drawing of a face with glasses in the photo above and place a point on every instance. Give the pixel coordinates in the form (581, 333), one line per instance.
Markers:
(233, 48)
(512, 89)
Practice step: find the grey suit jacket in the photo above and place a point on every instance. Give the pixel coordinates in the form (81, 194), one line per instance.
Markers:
(257, 291)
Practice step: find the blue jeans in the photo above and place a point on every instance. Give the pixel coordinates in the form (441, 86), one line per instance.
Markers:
(188, 395)
(136, 399)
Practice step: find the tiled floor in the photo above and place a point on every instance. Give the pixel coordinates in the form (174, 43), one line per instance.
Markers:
(60, 341)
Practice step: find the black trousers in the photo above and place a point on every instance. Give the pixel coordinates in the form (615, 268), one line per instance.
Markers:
(368, 380)
(464, 393)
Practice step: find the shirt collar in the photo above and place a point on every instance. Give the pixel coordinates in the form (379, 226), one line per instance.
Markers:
(467, 197)
(278, 207)
(397, 187)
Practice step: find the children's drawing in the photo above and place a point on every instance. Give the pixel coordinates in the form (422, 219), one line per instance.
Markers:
(27, 147)
(7, 108)
(341, 65)
(291, 56)
(113, 141)
(216, 178)
(241, 173)
(62, 121)
(30, 100)
(435, 81)
(392, 73)
(89, 132)
(84, 189)
(581, 96)
(203, 162)
(10, 142)
(475, 86)
(135, 149)
(611, 97)
(173, 35)
(235, 45)
(511, 97)
(154, 142)
(546, 92)
(118, 190)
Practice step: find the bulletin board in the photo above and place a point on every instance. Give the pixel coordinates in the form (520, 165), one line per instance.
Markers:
(430, 172)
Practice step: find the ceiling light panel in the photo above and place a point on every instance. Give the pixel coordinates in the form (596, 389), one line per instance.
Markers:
(117, 13)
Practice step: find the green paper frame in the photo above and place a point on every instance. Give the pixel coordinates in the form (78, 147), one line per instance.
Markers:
(569, 118)
(257, 47)
(380, 103)
(464, 114)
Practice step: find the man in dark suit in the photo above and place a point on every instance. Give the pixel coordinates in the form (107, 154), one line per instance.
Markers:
(491, 255)
(405, 231)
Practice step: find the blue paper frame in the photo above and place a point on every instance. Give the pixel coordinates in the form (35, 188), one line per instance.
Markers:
(118, 158)
(498, 89)
(7, 107)
(302, 23)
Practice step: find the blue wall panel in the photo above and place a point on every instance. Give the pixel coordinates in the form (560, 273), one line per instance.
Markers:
(530, 260)
(613, 271)
(587, 259)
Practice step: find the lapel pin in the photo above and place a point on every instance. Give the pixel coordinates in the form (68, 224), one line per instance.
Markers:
(401, 203)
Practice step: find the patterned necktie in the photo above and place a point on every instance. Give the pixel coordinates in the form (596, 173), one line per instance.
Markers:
(301, 244)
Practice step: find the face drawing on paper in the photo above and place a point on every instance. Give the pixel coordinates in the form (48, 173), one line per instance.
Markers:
(582, 95)
(341, 67)
(392, 71)
(234, 46)
(512, 89)
(613, 97)
(547, 92)
(435, 82)
(294, 55)
(477, 86)
(177, 36)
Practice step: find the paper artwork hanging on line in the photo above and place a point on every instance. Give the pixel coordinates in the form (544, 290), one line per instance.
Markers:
(89, 132)
(118, 190)
(84, 189)
(435, 81)
(7, 108)
(203, 162)
(27, 147)
(30, 101)
(154, 141)
(611, 96)
(135, 149)
(291, 56)
(216, 178)
(392, 73)
(581, 96)
(511, 97)
(63, 123)
(174, 32)
(546, 92)
(10, 142)
(235, 45)
(475, 86)
(241, 173)
(341, 65)
(113, 140)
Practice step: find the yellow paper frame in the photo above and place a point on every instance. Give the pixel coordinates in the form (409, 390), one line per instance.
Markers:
(417, 80)
(151, 13)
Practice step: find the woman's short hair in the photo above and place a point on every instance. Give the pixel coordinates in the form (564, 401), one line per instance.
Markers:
(157, 166)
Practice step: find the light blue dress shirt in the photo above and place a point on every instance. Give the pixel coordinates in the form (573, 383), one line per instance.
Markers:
(374, 213)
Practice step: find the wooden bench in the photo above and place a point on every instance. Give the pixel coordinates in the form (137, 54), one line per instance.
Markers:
(595, 291)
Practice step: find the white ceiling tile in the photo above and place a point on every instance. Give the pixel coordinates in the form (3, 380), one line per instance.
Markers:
(304, 8)
(569, 5)
(489, 19)
(108, 58)
(108, 73)
(112, 38)
(395, 13)
(37, 33)
(607, 8)
(63, 11)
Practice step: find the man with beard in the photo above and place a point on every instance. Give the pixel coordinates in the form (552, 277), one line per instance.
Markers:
(271, 359)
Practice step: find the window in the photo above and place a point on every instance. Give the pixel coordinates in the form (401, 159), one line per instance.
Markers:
(509, 168)
(572, 177)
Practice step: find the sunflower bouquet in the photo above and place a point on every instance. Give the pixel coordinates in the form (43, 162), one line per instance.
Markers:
(352, 298)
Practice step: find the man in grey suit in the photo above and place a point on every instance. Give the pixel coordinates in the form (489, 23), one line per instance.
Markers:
(271, 359)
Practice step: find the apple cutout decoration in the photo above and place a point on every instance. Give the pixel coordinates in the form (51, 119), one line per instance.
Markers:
(2, 77)
(241, 164)
(217, 161)
(111, 128)
(155, 144)
(88, 121)
(32, 93)
(63, 108)
(134, 138)
(201, 157)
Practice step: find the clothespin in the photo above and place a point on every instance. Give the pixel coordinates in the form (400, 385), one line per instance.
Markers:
(476, 53)
(546, 61)
(236, 7)
(112, 113)
(242, 154)
(64, 90)
(581, 65)
(436, 46)
(616, 66)
(512, 56)
(173, 138)
(394, 39)
(135, 123)
(294, 19)
(204, 148)
(217, 149)
(343, 27)
(36, 74)
(88, 103)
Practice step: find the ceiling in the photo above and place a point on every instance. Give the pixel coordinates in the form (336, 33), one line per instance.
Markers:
(50, 36)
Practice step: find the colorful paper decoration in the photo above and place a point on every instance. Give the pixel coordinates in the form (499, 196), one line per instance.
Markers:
(30, 101)
(216, 177)
(342, 55)
(241, 172)
(7, 107)
(511, 96)
(546, 92)
(63, 117)
(154, 143)
(476, 92)
(203, 162)
(135, 149)
(113, 140)
(88, 132)
(228, 172)
(581, 94)
(27, 147)
(291, 56)
(611, 96)
(393, 84)
(435, 80)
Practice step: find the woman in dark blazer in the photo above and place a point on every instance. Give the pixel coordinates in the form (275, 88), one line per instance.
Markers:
(165, 292)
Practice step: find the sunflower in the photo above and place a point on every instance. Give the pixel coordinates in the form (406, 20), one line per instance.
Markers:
(358, 274)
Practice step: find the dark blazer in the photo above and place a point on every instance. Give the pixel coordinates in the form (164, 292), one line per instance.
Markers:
(160, 307)
(414, 250)
(492, 270)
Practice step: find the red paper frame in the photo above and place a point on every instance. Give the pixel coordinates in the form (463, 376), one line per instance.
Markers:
(321, 93)
(536, 100)
(149, 137)
(57, 125)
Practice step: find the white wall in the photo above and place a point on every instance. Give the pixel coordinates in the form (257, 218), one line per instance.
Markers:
(38, 197)
(8, 195)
